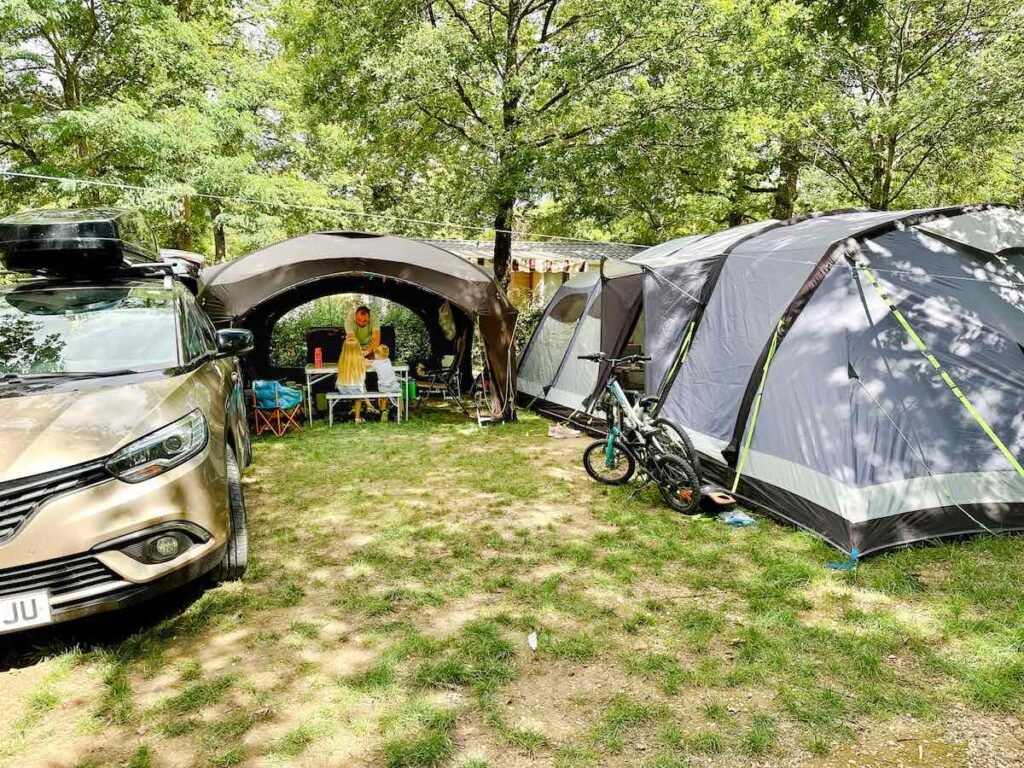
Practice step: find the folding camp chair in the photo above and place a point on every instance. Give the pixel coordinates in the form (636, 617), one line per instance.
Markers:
(480, 393)
(444, 382)
(277, 419)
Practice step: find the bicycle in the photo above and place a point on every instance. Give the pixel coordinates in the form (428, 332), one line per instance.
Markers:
(662, 450)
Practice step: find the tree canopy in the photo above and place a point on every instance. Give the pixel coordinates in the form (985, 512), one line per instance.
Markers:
(234, 123)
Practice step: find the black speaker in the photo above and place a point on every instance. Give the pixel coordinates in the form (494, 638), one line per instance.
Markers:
(387, 336)
(329, 340)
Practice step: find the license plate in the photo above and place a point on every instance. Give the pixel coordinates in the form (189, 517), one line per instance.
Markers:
(29, 609)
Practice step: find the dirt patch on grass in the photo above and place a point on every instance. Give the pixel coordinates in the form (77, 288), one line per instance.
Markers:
(558, 698)
(901, 742)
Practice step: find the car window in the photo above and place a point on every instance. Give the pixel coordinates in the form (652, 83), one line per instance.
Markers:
(198, 335)
(207, 329)
(87, 329)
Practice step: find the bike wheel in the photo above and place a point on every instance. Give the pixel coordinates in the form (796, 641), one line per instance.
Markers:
(614, 471)
(679, 485)
(683, 442)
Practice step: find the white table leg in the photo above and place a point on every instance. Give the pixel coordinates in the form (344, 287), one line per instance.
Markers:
(309, 400)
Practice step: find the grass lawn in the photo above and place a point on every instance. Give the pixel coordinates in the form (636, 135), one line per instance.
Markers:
(397, 573)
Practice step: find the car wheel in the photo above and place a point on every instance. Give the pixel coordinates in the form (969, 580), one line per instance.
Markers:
(236, 555)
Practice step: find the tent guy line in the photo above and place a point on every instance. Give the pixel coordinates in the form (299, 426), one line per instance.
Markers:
(290, 206)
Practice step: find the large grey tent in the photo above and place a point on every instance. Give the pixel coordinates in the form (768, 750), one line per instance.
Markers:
(254, 291)
(860, 373)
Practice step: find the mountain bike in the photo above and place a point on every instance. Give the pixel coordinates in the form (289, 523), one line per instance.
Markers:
(660, 449)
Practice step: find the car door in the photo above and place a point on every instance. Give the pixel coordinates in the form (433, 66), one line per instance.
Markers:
(223, 374)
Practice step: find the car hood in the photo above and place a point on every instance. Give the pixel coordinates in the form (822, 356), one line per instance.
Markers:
(62, 427)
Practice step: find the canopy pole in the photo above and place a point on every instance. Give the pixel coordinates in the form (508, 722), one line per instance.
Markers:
(757, 406)
(957, 392)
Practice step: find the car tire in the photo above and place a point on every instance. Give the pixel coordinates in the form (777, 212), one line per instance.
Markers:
(236, 555)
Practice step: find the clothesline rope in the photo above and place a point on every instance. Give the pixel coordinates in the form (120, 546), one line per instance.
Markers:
(292, 206)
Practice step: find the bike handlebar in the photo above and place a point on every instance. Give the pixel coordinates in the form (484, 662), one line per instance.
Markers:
(602, 357)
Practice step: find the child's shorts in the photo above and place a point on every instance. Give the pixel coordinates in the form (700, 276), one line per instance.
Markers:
(351, 389)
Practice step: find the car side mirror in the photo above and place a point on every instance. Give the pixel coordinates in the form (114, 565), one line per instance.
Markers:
(232, 342)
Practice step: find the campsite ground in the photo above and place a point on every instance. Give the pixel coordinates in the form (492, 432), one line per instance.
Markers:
(396, 576)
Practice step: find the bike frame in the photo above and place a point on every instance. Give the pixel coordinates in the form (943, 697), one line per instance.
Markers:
(632, 416)
(629, 427)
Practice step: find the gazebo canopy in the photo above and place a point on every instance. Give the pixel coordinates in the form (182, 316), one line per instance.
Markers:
(253, 291)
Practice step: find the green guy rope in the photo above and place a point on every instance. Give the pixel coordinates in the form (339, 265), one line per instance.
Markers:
(957, 392)
(757, 406)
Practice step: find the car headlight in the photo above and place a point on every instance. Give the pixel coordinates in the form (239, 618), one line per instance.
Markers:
(161, 450)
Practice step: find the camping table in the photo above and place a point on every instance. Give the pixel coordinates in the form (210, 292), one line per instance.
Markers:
(314, 374)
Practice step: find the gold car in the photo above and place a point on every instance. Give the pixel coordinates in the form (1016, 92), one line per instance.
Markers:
(123, 434)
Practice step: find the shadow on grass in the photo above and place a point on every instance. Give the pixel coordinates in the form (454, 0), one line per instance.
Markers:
(104, 631)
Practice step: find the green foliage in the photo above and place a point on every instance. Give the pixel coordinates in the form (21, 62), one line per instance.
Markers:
(288, 340)
(633, 120)
(422, 738)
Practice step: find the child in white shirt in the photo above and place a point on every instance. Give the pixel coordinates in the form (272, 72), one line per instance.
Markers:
(387, 381)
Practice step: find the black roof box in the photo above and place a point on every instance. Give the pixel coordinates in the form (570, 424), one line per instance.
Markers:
(76, 241)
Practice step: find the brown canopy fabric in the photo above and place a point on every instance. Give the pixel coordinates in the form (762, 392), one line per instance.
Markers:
(247, 291)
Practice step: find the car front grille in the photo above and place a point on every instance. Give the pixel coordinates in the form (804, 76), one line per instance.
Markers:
(68, 574)
(20, 498)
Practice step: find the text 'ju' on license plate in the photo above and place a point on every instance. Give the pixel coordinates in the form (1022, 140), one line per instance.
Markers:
(29, 609)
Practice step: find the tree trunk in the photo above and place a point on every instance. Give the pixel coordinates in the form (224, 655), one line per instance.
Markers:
(220, 244)
(789, 176)
(183, 228)
(220, 241)
(876, 198)
(510, 169)
(185, 10)
(503, 240)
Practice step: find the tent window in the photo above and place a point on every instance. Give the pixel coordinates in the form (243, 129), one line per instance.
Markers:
(569, 308)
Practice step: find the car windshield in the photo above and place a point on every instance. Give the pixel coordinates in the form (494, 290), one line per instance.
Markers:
(87, 330)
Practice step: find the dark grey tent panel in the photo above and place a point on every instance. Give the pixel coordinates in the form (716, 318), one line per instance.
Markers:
(254, 290)
(682, 274)
(858, 433)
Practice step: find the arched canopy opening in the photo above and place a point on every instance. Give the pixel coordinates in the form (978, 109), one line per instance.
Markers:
(262, 319)
(255, 290)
